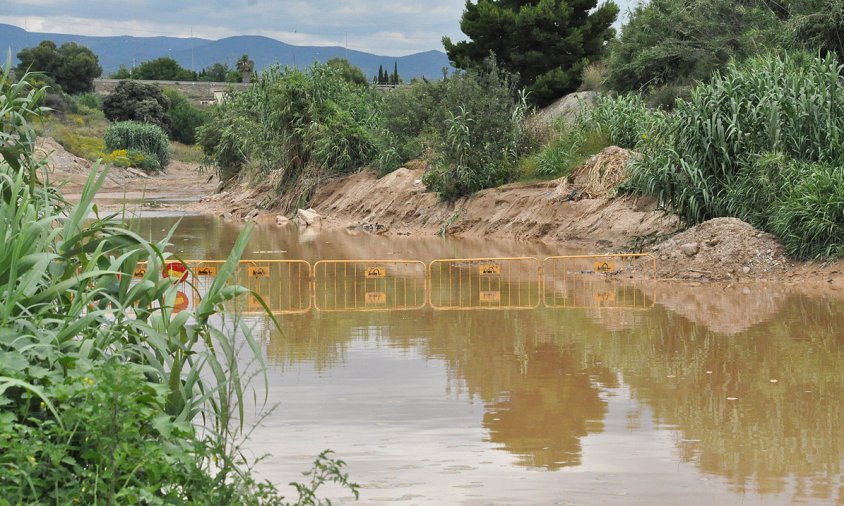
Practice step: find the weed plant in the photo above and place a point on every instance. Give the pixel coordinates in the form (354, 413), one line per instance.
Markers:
(764, 141)
(108, 395)
(146, 138)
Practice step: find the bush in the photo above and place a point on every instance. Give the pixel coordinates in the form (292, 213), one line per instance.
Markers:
(757, 142)
(90, 100)
(137, 101)
(184, 118)
(145, 138)
(295, 122)
(624, 121)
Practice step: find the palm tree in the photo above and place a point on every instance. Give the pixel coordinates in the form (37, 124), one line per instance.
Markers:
(245, 66)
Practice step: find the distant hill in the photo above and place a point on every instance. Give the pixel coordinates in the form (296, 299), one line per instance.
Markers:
(124, 50)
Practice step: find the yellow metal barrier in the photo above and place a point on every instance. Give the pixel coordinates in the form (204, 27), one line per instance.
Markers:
(369, 285)
(609, 281)
(484, 283)
(285, 285)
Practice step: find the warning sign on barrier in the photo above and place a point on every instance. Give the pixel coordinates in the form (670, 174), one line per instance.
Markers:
(376, 299)
(604, 267)
(175, 270)
(375, 272)
(140, 271)
(259, 271)
(206, 270)
(490, 269)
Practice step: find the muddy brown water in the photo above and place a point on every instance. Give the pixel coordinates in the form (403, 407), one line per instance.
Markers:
(715, 395)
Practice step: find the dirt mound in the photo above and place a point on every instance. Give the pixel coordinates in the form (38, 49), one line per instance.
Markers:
(597, 178)
(722, 249)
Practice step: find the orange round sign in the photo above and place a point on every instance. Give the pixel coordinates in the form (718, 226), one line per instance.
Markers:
(176, 270)
(181, 302)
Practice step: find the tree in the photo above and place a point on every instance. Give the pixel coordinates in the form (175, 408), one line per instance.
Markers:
(72, 67)
(381, 79)
(347, 71)
(216, 73)
(122, 73)
(245, 66)
(681, 41)
(547, 43)
(184, 117)
(163, 69)
(138, 101)
(395, 78)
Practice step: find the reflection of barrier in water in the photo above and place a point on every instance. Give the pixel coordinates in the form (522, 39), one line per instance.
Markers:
(600, 281)
(292, 286)
(369, 285)
(484, 283)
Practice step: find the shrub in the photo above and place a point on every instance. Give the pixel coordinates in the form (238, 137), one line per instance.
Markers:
(756, 142)
(624, 121)
(478, 143)
(143, 137)
(137, 101)
(90, 100)
(184, 118)
(593, 77)
(295, 121)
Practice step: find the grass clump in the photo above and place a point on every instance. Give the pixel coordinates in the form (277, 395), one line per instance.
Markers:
(146, 138)
(761, 142)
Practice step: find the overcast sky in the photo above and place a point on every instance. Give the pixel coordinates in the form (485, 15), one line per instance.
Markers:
(389, 27)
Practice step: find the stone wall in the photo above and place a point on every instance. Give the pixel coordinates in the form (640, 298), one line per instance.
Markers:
(200, 93)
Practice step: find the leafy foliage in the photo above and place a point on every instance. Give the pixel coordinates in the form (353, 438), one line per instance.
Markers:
(70, 66)
(108, 394)
(143, 137)
(295, 122)
(136, 101)
(163, 69)
(547, 44)
(479, 143)
(761, 142)
(184, 117)
(348, 71)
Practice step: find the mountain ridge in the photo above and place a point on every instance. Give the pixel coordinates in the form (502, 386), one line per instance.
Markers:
(114, 51)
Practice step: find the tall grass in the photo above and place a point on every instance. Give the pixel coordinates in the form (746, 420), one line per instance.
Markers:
(147, 138)
(107, 393)
(713, 156)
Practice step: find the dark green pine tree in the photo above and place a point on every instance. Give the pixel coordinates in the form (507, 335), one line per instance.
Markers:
(547, 42)
(381, 74)
(395, 79)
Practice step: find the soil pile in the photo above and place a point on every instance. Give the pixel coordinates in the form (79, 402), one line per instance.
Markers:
(597, 178)
(722, 249)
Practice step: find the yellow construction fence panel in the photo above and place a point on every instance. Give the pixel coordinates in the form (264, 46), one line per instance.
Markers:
(600, 281)
(369, 285)
(484, 283)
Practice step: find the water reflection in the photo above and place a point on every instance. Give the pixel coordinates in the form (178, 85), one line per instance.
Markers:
(760, 407)
(746, 383)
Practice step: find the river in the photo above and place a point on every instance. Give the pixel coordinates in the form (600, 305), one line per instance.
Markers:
(710, 394)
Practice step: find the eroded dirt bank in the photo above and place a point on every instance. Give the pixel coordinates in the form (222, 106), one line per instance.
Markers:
(399, 204)
(175, 188)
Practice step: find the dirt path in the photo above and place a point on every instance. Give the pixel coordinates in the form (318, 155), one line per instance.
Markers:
(176, 188)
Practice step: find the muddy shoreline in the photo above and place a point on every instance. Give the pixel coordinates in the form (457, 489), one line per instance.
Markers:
(727, 252)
